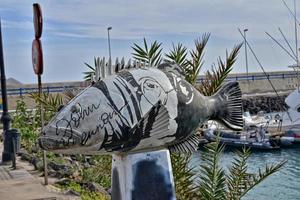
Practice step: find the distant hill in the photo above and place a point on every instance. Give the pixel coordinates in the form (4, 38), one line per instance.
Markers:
(13, 82)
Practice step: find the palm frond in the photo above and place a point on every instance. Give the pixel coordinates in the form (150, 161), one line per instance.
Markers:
(214, 78)
(150, 56)
(89, 74)
(255, 179)
(240, 181)
(212, 184)
(238, 175)
(194, 65)
(184, 177)
(178, 55)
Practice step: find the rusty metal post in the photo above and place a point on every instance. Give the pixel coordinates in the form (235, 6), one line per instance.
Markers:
(42, 126)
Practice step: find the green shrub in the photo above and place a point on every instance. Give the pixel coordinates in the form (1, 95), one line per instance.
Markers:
(84, 194)
(100, 172)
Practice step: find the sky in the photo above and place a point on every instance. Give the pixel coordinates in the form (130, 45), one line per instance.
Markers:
(75, 31)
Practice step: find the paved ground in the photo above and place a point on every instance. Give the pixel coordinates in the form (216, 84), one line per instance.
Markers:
(24, 184)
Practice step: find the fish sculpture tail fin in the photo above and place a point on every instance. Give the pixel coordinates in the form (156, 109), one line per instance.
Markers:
(229, 108)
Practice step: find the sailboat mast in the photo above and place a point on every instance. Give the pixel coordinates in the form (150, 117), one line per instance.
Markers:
(296, 43)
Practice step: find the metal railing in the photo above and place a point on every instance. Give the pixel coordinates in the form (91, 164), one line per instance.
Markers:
(55, 89)
(258, 77)
(48, 89)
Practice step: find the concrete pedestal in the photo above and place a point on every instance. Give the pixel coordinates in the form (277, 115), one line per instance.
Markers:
(146, 176)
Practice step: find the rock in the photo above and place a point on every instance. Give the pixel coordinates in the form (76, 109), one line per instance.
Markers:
(72, 192)
(95, 187)
(61, 170)
(22, 151)
(86, 165)
(66, 172)
(63, 181)
(39, 165)
(34, 162)
(77, 157)
(51, 173)
(90, 161)
(265, 103)
(26, 157)
(35, 149)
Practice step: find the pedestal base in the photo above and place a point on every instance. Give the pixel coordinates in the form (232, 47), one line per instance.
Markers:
(146, 176)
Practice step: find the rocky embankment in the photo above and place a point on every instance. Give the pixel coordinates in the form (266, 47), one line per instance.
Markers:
(254, 104)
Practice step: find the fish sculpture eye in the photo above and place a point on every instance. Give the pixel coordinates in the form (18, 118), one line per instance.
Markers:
(76, 108)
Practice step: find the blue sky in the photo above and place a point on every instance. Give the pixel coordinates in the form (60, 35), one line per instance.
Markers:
(76, 31)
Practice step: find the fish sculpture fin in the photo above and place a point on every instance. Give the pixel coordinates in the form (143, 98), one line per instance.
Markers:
(154, 122)
(188, 145)
(228, 106)
(173, 68)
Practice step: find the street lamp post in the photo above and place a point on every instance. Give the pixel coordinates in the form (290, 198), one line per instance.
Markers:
(6, 155)
(108, 29)
(246, 58)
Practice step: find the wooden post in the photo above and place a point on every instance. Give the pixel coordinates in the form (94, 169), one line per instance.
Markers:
(143, 176)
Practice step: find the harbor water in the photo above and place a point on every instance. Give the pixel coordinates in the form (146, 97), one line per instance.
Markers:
(283, 185)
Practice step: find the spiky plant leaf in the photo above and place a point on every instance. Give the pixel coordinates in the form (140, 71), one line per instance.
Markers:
(50, 102)
(88, 74)
(184, 177)
(193, 66)
(212, 184)
(255, 179)
(178, 55)
(214, 78)
(238, 175)
(150, 56)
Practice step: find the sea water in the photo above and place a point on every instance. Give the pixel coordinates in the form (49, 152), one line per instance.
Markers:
(283, 185)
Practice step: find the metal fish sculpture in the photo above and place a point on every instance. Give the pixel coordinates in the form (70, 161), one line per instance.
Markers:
(138, 110)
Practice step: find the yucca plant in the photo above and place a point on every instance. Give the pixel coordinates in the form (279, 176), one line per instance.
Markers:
(50, 102)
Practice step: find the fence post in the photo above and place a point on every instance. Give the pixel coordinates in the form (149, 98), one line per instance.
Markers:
(48, 89)
(20, 89)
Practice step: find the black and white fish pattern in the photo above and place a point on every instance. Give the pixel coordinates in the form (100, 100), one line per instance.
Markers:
(139, 110)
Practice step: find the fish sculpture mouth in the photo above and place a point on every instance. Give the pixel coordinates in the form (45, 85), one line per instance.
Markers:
(58, 142)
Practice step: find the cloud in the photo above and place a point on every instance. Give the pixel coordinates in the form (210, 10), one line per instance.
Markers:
(9, 24)
(133, 18)
(71, 27)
